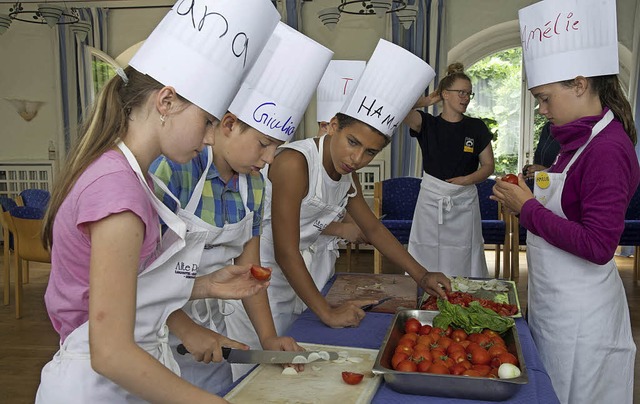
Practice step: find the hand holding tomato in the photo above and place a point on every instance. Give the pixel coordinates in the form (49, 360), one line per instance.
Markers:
(511, 178)
(230, 282)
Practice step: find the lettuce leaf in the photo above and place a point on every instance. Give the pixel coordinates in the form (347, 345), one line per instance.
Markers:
(472, 319)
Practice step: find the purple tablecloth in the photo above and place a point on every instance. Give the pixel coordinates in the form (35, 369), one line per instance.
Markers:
(371, 332)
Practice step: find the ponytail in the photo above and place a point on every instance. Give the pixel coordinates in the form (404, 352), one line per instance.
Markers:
(105, 125)
(611, 95)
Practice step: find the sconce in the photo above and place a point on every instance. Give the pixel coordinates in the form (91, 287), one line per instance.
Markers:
(329, 17)
(27, 109)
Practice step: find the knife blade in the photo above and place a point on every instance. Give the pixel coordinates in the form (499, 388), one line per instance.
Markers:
(260, 356)
(368, 307)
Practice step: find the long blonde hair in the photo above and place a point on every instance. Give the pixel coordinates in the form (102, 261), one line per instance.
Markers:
(107, 122)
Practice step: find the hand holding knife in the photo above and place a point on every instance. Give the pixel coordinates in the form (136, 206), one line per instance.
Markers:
(259, 356)
(368, 307)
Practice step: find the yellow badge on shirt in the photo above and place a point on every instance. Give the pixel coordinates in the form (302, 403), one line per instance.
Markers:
(542, 180)
(468, 145)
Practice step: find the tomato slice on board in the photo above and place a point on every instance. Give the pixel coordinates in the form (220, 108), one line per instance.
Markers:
(261, 273)
(352, 377)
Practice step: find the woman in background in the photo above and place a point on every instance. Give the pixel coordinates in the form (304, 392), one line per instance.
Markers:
(446, 234)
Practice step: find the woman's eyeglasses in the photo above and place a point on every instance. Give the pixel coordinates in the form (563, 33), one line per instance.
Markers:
(463, 94)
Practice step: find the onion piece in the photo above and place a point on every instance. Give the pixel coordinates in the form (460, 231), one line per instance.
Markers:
(299, 359)
(324, 355)
(313, 356)
(289, 371)
(355, 359)
(508, 371)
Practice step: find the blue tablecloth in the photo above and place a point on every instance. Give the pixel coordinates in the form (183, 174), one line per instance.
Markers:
(371, 332)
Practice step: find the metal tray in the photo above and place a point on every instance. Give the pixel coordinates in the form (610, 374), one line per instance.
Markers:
(472, 388)
(512, 294)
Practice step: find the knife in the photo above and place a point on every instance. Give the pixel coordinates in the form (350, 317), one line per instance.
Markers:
(368, 307)
(259, 356)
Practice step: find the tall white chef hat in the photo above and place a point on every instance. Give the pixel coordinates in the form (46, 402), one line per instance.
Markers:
(203, 48)
(563, 39)
(391, 84)
(277, 90)
(338, 81)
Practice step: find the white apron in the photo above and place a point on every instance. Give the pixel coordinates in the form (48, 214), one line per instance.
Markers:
(325, 203)
(578, 313)
(163, 287)
(446, 234)
(226, 317)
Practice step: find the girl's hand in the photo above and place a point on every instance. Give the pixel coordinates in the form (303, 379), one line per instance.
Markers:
(460, 181)
(348, 314)
(276, 343)
(206, 345)
(230, 282)
(434, 282)
(529, 170)
(511, 196)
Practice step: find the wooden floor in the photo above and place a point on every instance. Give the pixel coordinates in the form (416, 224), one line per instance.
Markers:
(27, 344)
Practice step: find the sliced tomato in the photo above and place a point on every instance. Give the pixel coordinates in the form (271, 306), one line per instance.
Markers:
(352, 377)
(261, 273)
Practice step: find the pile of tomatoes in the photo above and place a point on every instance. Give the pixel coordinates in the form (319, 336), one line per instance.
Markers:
(463, 299)
(427, 349)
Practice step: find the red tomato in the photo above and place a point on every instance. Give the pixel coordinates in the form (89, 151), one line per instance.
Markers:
(482, 369)
(437, 331)
(407, 342)
(397, 358)
(438, 368)
(459, 335)
(455, 346)
(457, 369)
(458, 356)
(352, 378)
(472, 373)
(424, 366)
(261, 273)
(425, 340)
(479, 357)
(404, 349)
(444, 342)
(425, 329)
(508, 358)
(407, 366)
(496, 350)
(510, 178)
(445, 360)
(412, 325)
(421, 356)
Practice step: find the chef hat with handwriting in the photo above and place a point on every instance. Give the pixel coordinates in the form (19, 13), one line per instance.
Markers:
(204, 48)
(338, 81)
(563, 39)
(391, 84)
(277, 90)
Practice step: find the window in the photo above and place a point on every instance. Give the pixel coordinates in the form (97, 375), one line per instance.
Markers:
(497, 83)
(103, 68)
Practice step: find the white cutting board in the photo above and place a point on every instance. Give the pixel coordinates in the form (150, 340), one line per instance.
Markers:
(267, 384)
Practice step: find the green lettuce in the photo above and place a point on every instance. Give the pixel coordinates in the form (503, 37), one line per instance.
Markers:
(472, 319)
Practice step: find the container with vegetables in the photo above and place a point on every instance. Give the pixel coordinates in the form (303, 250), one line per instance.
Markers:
(459, 352)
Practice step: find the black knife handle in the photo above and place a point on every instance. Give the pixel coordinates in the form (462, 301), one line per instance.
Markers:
(182, 350)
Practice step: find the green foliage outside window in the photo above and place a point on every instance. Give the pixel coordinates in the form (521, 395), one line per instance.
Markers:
(102, 72)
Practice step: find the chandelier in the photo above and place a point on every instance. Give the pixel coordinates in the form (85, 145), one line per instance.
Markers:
(405, 13)
(46, 13)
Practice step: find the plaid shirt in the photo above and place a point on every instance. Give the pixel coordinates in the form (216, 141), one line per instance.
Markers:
(220, 203)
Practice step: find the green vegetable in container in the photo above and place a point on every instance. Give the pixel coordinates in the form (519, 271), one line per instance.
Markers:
(472, 319)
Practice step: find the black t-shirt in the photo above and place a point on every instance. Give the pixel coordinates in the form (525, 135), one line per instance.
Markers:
(451, 149)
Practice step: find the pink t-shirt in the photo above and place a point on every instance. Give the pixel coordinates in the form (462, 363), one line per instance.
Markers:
(108, 186)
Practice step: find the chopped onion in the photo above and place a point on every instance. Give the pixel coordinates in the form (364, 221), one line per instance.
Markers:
(299, 359)
(313, 356)
(316, 368)
(324, 355)
(343, 354)
(289, 371)
(355, 359)
(340, 360)
(508, 371)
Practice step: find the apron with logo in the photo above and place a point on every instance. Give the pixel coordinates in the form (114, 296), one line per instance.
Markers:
(315, 214)
(162, 287)
(223, 245)
(446, 234)
(577, 311)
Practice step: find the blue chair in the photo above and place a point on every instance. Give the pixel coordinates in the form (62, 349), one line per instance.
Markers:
(37, 198)
(631, 233)
(394, 203)
(6, 204)
(27, 224)
(494, 229)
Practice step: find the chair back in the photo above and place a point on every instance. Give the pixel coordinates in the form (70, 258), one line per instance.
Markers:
(27, 223)
(399, 198)
(6, 204)
(37, 198)
(488, 207)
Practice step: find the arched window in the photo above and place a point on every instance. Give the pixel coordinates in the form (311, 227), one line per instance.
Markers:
(103, 68)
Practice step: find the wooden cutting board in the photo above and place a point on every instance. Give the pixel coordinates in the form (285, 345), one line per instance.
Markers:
(402, 289)
(321, 382)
